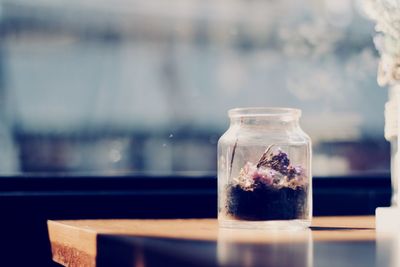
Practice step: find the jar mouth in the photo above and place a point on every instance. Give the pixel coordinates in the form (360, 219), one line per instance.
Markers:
(270, 112)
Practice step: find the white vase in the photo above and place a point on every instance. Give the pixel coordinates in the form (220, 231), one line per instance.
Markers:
(391, 134)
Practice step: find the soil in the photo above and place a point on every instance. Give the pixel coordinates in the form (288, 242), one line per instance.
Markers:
(267, 203)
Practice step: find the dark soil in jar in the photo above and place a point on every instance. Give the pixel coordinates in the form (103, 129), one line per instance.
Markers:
(267, 203)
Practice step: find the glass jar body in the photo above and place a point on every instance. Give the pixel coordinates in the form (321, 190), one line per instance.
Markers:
(264, 170)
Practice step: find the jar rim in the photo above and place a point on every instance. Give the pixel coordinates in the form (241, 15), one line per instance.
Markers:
(264, 112)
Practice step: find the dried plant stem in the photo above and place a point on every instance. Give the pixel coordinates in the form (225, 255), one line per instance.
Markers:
(232, 157)
(264, 157)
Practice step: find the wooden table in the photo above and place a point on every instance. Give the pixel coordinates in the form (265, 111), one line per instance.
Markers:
(332, 241)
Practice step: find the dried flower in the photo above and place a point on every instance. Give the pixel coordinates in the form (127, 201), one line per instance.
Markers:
(279, 162)
(292, 172)
(272, 170)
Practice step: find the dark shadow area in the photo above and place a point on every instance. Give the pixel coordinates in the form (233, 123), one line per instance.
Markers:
(123, 251)
(115, 250)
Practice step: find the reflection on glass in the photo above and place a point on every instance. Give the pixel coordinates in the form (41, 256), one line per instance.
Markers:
(250, 248)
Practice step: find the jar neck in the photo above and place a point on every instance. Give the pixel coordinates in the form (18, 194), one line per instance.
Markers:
(272, 123)
(269, 118)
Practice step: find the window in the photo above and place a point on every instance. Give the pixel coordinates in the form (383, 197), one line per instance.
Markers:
(103, 86)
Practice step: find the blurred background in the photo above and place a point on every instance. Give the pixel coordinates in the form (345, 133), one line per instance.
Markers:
(122, 86)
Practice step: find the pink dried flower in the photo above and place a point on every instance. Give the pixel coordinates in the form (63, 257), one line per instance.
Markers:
(264, 175)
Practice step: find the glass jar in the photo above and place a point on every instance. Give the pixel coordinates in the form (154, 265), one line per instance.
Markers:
(264, 170)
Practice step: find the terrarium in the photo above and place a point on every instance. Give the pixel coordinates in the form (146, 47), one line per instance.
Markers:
(264, 170)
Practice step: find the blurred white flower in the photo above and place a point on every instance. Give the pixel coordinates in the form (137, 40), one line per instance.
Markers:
(386, 14)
